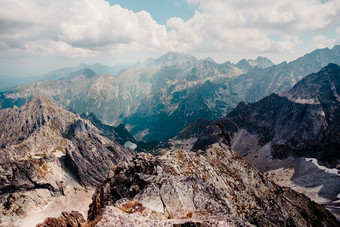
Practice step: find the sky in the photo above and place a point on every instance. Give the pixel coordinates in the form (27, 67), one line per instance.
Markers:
(37, 36)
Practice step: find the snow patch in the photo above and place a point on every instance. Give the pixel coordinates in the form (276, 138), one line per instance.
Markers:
(325, 169)
(130, 145)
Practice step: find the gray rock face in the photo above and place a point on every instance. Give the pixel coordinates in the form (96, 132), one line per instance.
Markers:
(216, 186)
(300, 122)
(261, 62)
(258, 83)
(118, 134)
(217, 90)
(153, 90)
(284, 134)
(92, 156)
(45, 148)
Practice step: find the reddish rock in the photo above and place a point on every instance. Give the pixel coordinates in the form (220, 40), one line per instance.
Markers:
(66, 219)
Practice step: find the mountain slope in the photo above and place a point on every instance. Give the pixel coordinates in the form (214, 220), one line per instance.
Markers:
(259, 83)
(49, 156)
(296, 123)
(216, 89)
(286, 135)
(261, 62)
(215, 187)
(173, 88)
(97, 68)
(112, 98)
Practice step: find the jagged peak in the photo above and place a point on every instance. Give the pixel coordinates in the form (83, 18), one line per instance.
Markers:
(40, 101)
(201, 184)
(174, 56)
(335, 73)
(209, 59)
(98, 64)
(322, 87)
(332, 66)
(316, 52)
(242, 61)
(243, 64)
(261, 62)
(85, 72)
(261, 58)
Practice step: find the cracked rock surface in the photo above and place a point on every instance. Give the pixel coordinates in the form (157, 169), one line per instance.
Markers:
(67, 219)
(215, 187)
(48, 154)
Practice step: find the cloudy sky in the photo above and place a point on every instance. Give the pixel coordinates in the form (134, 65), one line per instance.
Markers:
(37, 36)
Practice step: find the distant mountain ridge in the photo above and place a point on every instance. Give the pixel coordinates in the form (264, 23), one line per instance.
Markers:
(97, 68)
(176, 107)
(261, 62)
(86, 91)
(297, 122)
(173, 88)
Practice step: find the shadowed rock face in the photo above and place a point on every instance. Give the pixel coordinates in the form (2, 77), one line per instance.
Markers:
(215, 186)
(43, 149)
(302, 122)
(92, 156)
(278, 133)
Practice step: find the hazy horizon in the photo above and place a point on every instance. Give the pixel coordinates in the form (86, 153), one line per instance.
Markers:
(37, 38)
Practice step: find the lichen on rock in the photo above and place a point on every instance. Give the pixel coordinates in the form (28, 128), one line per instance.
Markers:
(213, 185)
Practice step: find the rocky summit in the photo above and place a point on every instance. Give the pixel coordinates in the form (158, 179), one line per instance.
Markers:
(51, 160)
(216, 187)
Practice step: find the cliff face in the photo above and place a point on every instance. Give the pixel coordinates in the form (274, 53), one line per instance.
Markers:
(286, 135)
(48, 153)
(302, 122)
(214, 187)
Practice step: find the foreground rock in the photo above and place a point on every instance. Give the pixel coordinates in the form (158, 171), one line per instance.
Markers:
(50, 160)
(72, 219)
(212, 188)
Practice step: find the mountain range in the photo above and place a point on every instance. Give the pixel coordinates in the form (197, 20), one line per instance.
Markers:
(302, 121)
(59, 154)
(286, 135)
(53, 159)
(216, 96)
(171, 91)
(112, 98)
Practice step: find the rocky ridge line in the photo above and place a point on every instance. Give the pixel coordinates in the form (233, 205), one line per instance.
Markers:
(50, 155)
(211, 188)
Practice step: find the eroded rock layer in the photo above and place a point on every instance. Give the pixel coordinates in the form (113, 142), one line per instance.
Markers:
(215, 187)
(50, 160)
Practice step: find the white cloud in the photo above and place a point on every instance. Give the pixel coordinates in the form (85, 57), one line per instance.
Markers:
(85, 26)
(247, 24)
(80, 28)
(321, 41)
(337, 30)
(48, 48)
